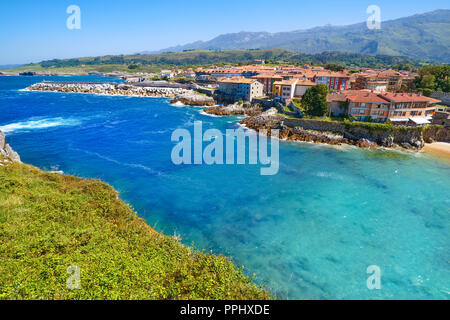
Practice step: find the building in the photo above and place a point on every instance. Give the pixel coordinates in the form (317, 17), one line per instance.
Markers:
(384, 80)
(190, 74)
(241, 88)
(399, 108)
(367, 106)
(268, 79)
(405, 107)
(377, 85)
(204, 77)
(335, 81)
(301, 87)
(284, 89)
(167, 74)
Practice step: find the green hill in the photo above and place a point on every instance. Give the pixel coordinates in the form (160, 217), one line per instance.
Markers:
(49, 222)
(193, 58)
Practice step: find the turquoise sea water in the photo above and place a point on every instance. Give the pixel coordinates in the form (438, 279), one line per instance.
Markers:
(309, 232)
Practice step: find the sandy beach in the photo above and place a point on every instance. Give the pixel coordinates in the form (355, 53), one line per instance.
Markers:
(438, 149)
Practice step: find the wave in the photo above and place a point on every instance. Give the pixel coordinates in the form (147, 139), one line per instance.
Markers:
(131, 165)
(39, 124)
(208, 114)
(178, 104)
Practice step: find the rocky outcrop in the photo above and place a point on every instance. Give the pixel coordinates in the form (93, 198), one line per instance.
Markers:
(436, 134)
(6, 150)
(405, 137)
(270, 120)
(332, 132)
(192, 98)
(235, 109)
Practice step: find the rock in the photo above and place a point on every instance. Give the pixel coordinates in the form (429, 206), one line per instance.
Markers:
(366, 144)
(191, 98)
(387, 141)
(6, 150)
(417, 143)
(2, 140)
(406, 145)
(14, 156)
(234, 109)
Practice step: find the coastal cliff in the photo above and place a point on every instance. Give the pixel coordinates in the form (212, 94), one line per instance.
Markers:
(365, 135)
(6, 150)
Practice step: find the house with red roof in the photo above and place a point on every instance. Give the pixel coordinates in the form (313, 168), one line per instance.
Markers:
(399, 108)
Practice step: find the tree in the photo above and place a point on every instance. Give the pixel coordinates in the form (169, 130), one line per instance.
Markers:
(334, 67)
(315, 101)
(434, 78)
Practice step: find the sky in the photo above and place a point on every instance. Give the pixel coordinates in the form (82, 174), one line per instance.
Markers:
(32, 31)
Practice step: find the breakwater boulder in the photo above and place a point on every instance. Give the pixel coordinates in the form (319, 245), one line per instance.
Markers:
(108, 88)
(235, 109)
(6, 150)
(191, 98)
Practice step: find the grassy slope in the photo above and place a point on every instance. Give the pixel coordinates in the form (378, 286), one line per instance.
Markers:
(50, 221)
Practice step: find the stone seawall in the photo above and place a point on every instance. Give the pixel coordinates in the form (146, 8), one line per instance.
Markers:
(337, 133)
(6, 150)
(410, 138)
(436, 134)
(315, 125)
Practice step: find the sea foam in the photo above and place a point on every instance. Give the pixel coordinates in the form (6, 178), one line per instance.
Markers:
(32, 124)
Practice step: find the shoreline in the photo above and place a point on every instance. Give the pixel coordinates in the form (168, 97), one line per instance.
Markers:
(187, 98)
(439, 150)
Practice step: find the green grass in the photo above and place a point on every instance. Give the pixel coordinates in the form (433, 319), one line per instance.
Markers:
(49, 222)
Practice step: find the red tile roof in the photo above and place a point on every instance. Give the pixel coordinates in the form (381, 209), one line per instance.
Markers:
(407, 97)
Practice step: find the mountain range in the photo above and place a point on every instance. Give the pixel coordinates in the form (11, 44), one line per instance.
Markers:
(423, 36)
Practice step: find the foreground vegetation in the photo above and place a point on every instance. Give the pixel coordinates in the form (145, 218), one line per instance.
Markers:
(49, 222)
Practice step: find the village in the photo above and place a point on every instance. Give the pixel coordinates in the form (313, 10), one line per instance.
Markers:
(367, 108)
(369, 95)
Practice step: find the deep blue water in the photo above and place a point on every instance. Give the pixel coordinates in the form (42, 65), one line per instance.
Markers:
(309, 232)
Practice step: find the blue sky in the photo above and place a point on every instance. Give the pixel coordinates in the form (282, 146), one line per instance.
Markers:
(32, 31)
